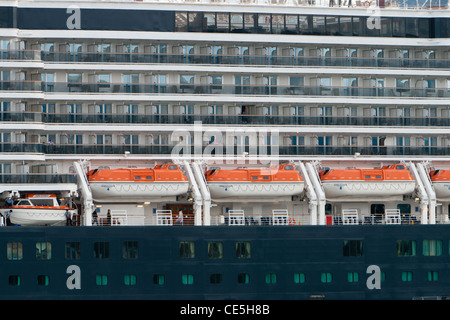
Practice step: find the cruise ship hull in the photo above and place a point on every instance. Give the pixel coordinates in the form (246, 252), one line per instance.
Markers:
(306, 262)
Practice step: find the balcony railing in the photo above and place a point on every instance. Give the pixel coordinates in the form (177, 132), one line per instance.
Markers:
(213, 119)
(282, 150)
(253, 60)
(222, 59)
(221, 89)
(37, 178)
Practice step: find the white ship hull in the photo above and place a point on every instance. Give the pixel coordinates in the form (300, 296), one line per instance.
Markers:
(136, 191)
(341, 189)
(254, 190)
(37, 217)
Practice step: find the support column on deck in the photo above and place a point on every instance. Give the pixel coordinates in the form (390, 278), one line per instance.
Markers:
(88, 203)
(195, 194)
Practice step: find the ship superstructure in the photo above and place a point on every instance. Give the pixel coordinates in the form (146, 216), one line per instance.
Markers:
(214, 85)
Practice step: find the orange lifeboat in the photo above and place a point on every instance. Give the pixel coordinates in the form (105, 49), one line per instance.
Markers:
(38, 210)
(129, 185)
(393, 180)
(254, 183)
(441, 183)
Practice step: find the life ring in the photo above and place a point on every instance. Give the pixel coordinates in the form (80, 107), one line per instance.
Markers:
(291, 221)
(367, 4)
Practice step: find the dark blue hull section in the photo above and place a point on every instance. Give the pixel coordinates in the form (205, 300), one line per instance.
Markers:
(283, 262)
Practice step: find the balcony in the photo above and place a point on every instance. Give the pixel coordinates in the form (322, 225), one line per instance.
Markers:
(22, 178)
(245, 60)
(281, 150)
(219, 119)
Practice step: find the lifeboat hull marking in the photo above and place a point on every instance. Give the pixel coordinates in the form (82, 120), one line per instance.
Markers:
(442, 189)
(338, 189)
(239, 190)
(127, 190)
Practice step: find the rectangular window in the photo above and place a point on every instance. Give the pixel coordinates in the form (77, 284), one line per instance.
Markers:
(42, 280)
(14, 251)
(215, 250)
(433, 275)
(130, 250)
(187, 249)
(215, 278)
(43, 250)
(353, 248)
(14, 280)
(72, 251)
(271, 278)
(407, 276)
(187, 279)
(299, 277)
(406, 248)
(129, 279)
(326, 277)
(243, 250)
(432, 247)
(101, 250)
(158, 279)
(243, 278)
(101, 280)
(352, 277)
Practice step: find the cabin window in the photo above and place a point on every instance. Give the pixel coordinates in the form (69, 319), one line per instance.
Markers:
(24, 203)
(433, 275)
(432, 247)
(149, 177)
(254, 178)
(326, 277)
(265, 178)
(407, 276)
(101, 280)
(137, 178)
(14, 251)
(187, 279)
(72, 251)
(288, 168)
(377, 177)
(406, 248)
(352, 276)
(129, 279)
(215, 278)
(187, 249)
(101, 250)
(243, 250)
(14, 280)
(130, 250)
(353, 248)
(43, 202)
(215, 250)
(43, 250)
(367, 177)
(42, 280)
(271, 278)
(299, 277)
(158, 279)
(399, 167)
(243, 278)
(173, 167)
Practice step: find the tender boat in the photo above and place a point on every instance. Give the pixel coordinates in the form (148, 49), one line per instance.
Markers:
(38, 210)
(255, 183)
(389, 181)
(441, 183)
(127, 185)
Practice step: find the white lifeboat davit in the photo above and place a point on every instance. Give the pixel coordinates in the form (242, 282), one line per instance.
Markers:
(387, 182)
(254, 183)
(441, 183)
(130, 185)
(38, 210)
